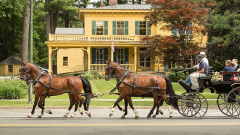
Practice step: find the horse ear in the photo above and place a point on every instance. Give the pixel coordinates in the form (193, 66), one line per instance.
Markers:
(24, 63)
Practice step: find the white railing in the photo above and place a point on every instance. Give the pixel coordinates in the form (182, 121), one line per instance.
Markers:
(122, 38)
(102, 67)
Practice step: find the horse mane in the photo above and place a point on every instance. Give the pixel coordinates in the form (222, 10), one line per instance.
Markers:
(118, 64)
(40, 68)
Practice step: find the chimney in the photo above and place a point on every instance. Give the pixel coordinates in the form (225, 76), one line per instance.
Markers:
(102, 5)
(113, 2)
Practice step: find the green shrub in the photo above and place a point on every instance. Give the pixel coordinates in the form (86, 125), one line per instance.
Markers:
(13, 89)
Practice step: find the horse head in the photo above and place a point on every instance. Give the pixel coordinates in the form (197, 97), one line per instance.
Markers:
(25, 72)
(109, 72)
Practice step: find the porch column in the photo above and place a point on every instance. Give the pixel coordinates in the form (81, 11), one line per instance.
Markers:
(50, 60)
(135, 58)
(89, 62)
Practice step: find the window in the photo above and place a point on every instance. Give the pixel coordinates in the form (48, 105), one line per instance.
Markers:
(120, 28)
(142, 28)
(100, 54)
(99, 27)
(10, 68)
(65, 61)
(120, 56)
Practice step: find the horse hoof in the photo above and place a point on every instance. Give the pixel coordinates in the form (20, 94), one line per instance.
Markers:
(49, 112)
(81, 112)
(64, 116)
(123, 109)
(170, 117)
(111, 114)
(148, 116)
(29, 116)
(39, 116)
(123, 117)
(161, 112)
(136, 117)
(89, 115)
(154, 116)
(72, 116)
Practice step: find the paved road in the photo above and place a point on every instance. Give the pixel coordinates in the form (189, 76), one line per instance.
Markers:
(14, 121)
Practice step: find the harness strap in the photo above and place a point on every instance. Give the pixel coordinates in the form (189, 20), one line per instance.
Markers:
(50, 79)
(120, 81)
(134, 81)
(37, 79)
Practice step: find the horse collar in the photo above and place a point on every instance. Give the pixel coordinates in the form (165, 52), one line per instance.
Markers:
(37, 79)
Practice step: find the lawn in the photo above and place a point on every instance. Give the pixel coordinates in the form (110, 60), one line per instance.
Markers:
(103, 87)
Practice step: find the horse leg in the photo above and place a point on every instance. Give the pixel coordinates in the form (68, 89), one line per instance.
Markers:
(126, 104)
(34, 106)
(120, 108)
(157, 110)
(169, 106)
(41, 105)
(80, 108)
(71, 98)
(131, 105)
(47, 111)
(76, 107)
(120, 98)
(155, 97)
(81, 99)
(160, 106)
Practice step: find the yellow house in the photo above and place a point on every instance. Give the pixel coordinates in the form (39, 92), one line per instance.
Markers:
(10, 66)
(121, 25)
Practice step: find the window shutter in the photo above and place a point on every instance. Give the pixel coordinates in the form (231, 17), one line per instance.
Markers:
(105, 55)
(115, 55)
(174, 31)
(105, 27)
(94, 60)
(148, 28)
(189, 31)
(126, 56)
(136, 27)
(166, 67)
(93, 27)
(126, 27)
(114, 27)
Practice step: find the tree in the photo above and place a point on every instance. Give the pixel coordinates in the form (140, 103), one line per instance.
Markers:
(11, 16)
(25, 35)
(184, 18)
(223, 28)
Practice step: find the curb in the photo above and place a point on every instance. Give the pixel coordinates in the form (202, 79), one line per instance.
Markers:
(90, 107)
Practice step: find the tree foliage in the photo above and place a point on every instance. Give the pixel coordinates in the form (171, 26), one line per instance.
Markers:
(183, 16)
(223, 27)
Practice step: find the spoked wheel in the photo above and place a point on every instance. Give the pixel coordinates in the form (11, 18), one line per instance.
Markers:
(221, 102)
(233, 102)
(194, 105)
(180, 98)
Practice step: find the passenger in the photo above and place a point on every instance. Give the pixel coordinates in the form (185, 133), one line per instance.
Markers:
(236, 65)
(202, 72)
(188, 80)
(228, 68)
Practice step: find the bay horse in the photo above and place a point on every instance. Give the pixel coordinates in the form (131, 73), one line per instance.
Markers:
(131, 85)
(46, 85)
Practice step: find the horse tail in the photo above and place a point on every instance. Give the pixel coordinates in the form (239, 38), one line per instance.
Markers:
(173, 98)
(88, 91)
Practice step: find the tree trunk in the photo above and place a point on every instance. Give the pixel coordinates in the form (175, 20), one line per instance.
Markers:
(25, 35)
(139, 1)
(66, 21)
(47, 23)
(52, 24)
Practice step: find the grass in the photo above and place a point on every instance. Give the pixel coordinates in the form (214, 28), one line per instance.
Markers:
(103, 87)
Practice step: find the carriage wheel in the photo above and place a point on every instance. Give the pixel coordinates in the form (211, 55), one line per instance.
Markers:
(180, 98)
(221, 102)
(194, 105)
(233, 102)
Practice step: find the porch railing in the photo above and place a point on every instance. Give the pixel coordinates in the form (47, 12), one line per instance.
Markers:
(122, 38)
(102, 67)
(77, 68)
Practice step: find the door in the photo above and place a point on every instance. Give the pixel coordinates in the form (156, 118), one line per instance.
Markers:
(145, 62)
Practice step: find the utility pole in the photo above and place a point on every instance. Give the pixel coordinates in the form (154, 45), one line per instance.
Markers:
(31, 48)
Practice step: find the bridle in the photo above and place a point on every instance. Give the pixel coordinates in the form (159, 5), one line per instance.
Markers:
(26, 77)
(109, 68)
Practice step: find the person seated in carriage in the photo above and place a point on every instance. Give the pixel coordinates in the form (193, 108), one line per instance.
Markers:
(202, 72)
(228, 68)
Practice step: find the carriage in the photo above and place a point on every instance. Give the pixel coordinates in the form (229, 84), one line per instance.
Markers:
(193, 104)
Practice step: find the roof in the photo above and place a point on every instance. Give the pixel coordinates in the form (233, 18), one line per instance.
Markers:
(69, 31)
(11, 60)
(126, 6)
